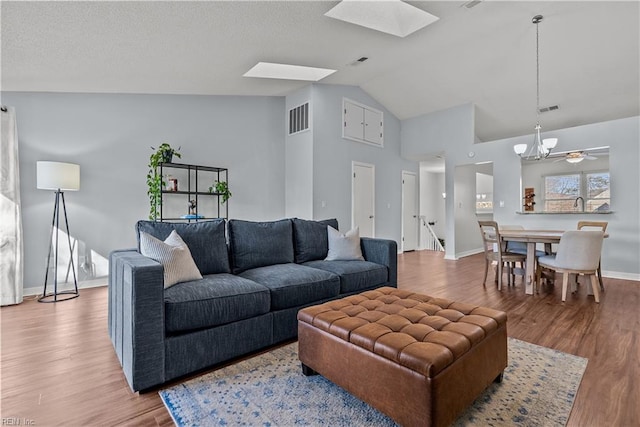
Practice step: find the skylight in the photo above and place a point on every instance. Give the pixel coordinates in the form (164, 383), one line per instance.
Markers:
(389, 16)
(270, 70)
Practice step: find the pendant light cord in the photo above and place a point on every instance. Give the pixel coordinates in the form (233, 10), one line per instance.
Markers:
(537, 73)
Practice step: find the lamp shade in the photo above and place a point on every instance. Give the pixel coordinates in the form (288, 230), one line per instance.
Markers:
(57, 176)
(520, 148)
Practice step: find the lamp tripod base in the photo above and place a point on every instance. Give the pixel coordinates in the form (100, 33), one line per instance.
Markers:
(60, 296)
(57, 296)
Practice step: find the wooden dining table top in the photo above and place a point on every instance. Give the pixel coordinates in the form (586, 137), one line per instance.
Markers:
(539, 236)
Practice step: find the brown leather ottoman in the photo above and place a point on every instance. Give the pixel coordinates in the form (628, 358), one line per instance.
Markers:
(418, 359)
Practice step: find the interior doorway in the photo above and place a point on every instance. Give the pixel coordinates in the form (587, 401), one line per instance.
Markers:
(432, 219)
(409, 212)
(363, 198)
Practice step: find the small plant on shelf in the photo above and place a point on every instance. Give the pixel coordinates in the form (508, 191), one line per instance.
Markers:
(222, 188)
(155, 181)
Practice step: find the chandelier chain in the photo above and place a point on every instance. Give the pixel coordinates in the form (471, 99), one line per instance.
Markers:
(540, 148)
(537, 74)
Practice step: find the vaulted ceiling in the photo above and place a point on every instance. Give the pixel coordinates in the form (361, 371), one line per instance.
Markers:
(589, 55)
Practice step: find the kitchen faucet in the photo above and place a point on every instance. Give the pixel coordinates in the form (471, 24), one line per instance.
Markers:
(575, 204)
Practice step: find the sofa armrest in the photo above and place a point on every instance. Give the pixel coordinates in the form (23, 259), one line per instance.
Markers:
(136, 317)
(382, 251)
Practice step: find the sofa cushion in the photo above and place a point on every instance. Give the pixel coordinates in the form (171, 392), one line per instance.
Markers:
(344, 247)
(205, 239)
(292, 285)
(173, 254)
(310, 239)
(214, 300)
(257, 244)
(354, 275)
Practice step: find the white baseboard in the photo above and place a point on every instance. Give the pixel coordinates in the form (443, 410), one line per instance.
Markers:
(469, 253)
(621, 275)
(85, 284)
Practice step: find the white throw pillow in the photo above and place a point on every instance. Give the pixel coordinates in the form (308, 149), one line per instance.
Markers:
(344, 247)
(173, 254)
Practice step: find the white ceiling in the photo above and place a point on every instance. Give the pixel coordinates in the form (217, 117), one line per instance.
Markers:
(589, 55)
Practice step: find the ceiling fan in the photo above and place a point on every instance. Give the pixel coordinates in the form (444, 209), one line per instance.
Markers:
(576, 157)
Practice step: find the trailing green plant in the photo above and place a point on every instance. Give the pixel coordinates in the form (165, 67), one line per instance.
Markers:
(222, 188)
(155, 181)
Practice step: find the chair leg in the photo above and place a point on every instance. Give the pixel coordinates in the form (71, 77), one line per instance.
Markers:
(499, 275)
(565, 284)
(537, 283)
(600, 277)
(486, 269)
(595, 286)
(513, 274)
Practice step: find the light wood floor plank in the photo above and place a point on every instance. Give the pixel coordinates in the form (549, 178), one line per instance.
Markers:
(58, 367)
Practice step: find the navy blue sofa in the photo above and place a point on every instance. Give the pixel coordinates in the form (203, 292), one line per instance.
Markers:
(256, 276)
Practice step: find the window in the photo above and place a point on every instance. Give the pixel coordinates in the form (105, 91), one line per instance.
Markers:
(562, 193)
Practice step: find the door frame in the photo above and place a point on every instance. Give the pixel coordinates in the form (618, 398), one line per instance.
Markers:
(417, 205)
(354, 164)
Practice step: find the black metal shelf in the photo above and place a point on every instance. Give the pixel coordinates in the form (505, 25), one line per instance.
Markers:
(199, 193)
(193, 175)
(192, 167)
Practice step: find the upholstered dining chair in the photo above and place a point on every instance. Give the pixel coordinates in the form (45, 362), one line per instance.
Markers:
(594, 225)
(578, 253)
(495, 250)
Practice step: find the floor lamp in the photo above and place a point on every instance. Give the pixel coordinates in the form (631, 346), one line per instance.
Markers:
(59, 177)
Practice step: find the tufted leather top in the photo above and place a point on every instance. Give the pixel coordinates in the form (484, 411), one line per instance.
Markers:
(419, 332)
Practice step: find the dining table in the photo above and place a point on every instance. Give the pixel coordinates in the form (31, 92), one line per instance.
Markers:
(531, 238)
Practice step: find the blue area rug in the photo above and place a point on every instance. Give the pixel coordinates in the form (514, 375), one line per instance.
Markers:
(539, 387)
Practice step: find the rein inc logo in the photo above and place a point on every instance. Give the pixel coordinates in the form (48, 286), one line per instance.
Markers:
(16, 421)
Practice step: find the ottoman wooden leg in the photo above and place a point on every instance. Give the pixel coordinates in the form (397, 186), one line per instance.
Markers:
(307, 371)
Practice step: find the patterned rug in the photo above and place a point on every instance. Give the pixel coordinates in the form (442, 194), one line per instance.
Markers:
(538, 389)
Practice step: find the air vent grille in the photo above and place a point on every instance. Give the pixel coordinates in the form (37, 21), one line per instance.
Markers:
(470, 4)
(299, 119)
(551, 108)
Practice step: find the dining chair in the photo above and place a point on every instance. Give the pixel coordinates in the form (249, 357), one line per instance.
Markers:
(578, 253)
(495, 250)
(595, 225)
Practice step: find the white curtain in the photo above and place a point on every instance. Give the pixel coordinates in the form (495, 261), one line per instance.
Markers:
(11, 257)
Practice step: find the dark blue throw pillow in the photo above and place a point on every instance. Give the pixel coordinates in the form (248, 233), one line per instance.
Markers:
(310, 238)
(205, 239)
(257, 244)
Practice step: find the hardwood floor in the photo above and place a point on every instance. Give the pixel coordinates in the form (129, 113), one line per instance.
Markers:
(58, 366)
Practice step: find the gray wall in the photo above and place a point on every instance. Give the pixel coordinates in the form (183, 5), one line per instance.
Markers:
(451, 131)
(299, 160)
(333, 157)
(110, 137)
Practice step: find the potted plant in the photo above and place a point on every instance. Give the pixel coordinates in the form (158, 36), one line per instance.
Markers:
(221, 188)
(155, 182)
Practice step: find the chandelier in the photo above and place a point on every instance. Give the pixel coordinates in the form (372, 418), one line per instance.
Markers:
(541, 148)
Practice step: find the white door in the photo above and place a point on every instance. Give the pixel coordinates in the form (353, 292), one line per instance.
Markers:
(409, 212)
(363, 201)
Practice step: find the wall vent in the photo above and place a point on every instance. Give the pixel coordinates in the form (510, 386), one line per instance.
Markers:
(470, 4)
(551, 108)
(299, 119)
